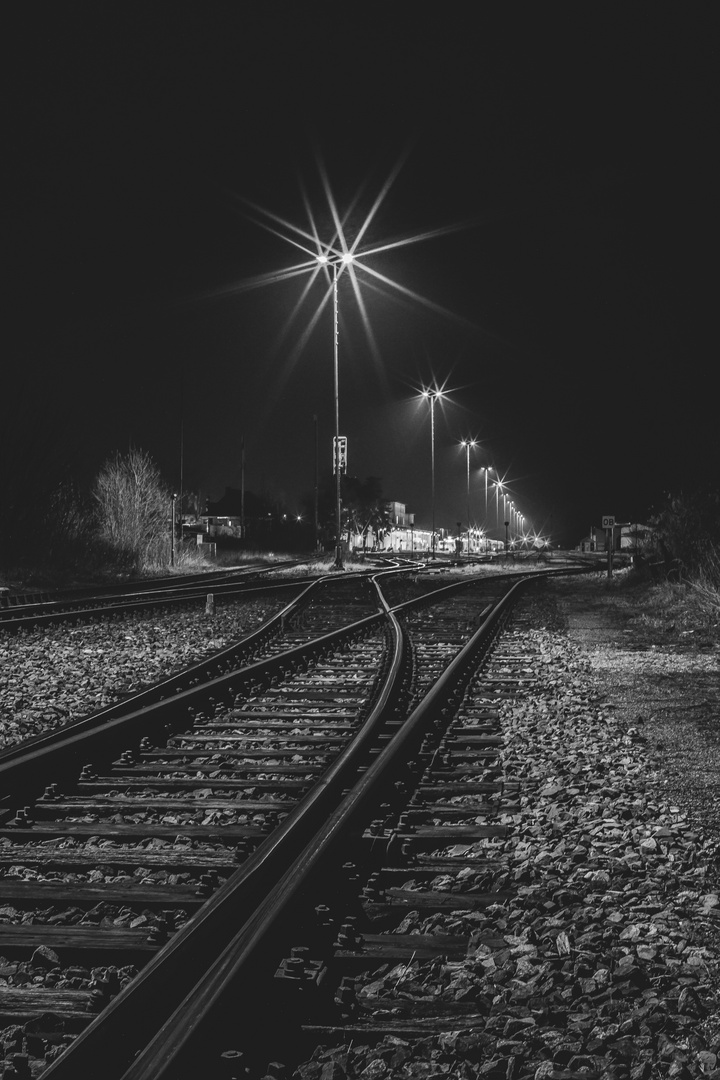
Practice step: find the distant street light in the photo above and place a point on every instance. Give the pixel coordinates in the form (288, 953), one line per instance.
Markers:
(467, 443)
(432, 396)
(338, 264)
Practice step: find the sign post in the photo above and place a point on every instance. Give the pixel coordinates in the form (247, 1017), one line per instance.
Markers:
(608, 524)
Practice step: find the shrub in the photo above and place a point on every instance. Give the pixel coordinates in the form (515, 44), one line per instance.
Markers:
(687, 529)
(134, 509)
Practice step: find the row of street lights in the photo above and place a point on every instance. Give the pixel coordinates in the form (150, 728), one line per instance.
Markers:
(512, 518)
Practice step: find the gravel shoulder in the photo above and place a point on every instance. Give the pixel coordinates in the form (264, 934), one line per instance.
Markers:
(660, 673)
(655, 667)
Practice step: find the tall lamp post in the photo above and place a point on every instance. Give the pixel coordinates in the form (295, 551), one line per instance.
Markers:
(337, 267)
(486, 469)
(498, 487)
(467, 443)
(432, 396)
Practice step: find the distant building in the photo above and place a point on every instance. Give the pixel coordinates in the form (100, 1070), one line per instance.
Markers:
(626, 536)
(398, 516)
(637, 538)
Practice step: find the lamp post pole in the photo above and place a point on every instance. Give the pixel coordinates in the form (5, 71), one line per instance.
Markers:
(485, 470)
(432, 469)
(467, 443)
(467, 462)
(337, 265)
(432, 396)
(338, 523)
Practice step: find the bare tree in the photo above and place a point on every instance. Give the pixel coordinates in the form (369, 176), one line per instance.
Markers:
(133, 505)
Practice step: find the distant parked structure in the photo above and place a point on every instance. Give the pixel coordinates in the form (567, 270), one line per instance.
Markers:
(628, 537)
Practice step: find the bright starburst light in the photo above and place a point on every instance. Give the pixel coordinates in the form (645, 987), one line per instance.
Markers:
(339, 252)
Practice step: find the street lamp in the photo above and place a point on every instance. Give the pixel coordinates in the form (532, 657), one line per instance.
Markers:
(467, 443)
(338, 265)
(432, 396)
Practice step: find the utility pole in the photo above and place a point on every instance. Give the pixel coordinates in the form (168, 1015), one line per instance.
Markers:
(242, 487)
(172, 530)
(317, 487)
(182, 445)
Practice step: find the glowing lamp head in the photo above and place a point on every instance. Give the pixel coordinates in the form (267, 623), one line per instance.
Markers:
(323, 260)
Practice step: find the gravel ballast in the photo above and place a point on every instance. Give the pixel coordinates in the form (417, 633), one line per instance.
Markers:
(54, 676)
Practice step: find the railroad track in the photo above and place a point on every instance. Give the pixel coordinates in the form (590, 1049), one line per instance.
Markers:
(75, 606)
(141, 843)
(117, 590)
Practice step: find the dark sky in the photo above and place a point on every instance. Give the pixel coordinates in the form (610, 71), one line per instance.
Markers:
(568, 150)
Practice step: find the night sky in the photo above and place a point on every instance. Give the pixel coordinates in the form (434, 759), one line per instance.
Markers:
(562, 159)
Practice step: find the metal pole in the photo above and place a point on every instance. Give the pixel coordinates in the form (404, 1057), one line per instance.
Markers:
(172, 532)
(432, 461)
(242, 487)
(338, 539)
(317, 518)
(467, 455)
(486, 513)
(182, 456)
